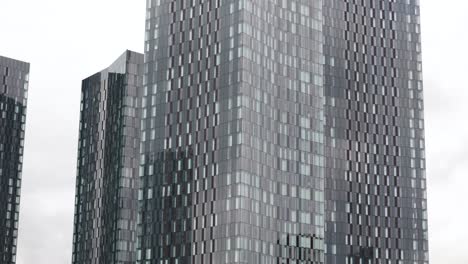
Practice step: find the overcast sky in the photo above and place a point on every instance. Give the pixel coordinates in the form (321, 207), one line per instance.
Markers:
(66, 41)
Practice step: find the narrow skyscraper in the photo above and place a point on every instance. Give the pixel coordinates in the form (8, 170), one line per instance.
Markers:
(14, 81)
(107, 180)
(282, 132)
(375, 171)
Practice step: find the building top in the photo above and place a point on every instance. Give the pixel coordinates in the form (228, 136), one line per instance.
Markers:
(14, 78)
(121, 64)
(16, 64)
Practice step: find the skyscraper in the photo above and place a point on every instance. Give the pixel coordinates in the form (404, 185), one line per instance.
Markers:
(107, 180)
(375, 180)
(14, 81)
(238, 97)
(282, 131)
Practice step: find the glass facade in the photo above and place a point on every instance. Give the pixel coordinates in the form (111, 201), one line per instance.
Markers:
(107, 181)
(376, 209)
(282, 131)
(14, 81)
(233, 142)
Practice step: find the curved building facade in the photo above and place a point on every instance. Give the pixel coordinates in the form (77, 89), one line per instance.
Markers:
(106, 203)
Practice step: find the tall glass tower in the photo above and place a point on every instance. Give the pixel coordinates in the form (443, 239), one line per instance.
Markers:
(375, 181)
(14, 81)
(107, 181)
(282, 131)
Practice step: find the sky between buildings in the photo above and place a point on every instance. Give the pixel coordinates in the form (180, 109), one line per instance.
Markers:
(65, 41)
